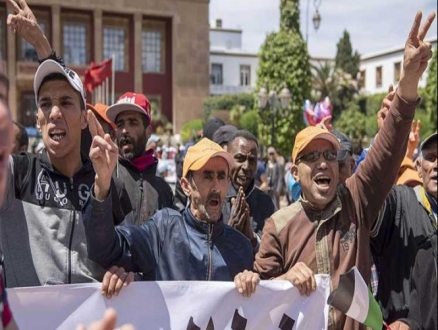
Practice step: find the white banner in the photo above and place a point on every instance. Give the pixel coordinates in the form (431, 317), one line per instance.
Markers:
(174, 305)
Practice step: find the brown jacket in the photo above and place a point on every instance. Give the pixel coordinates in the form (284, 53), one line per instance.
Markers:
(329, 242)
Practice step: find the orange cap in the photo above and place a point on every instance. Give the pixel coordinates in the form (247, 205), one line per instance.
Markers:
(99, 109)
(307, 135)
(199, 154)
(408, 175)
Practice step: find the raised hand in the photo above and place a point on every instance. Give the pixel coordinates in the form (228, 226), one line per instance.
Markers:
(386, 104)
(417, 53)
(103, 155)
(24, 23)
(414, 139)
(239, 211)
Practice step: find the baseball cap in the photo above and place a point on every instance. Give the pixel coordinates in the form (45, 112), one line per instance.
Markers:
(407, 174)
(100, 109)
(130, 102)
(200, 153)
(346, 145)
(430, 138)
(50, 66)
(223, 134)
(310, 133)
(211, 127)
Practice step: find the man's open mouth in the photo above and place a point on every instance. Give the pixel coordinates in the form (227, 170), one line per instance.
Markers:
(322, 181)
(213, 202)
(57, 134)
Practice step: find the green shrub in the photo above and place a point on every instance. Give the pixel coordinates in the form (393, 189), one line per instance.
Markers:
(227, 102)
(190, 129)
(250, 121)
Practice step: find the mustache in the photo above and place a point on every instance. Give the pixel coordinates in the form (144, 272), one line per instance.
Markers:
(125, 140)
(213, 196)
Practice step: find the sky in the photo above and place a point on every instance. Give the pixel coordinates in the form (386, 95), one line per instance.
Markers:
(374, 25)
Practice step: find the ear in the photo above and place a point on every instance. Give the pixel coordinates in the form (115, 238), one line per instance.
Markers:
(148, 132)
(294, 172)
(418, 168)
(38, 126)
(84, 122)
(186, 187)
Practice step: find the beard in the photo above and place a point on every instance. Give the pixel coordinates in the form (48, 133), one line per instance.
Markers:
(136, 149)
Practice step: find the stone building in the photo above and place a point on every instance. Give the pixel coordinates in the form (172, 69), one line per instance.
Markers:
(161, 49)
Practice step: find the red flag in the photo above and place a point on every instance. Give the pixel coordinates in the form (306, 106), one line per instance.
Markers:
(97, 73)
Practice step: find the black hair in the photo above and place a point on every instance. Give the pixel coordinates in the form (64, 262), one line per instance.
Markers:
(243, 134)
(59, 76)
(23, 138)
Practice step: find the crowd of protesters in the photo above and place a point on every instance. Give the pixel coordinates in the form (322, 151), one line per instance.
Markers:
(92, 204)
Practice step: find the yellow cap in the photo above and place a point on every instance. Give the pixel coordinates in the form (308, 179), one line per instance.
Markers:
(310, 133)
(407, 174)
(199, 154)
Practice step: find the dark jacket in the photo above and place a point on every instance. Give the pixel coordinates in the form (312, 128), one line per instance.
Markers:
(148, 192)
(171, 246)
(423, 298)
(261, 206)
(405, 223)
(41, 229)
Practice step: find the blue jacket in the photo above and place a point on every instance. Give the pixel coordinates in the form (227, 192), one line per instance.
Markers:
(170, 246)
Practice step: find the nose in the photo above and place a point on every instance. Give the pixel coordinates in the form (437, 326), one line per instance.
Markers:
(322, 163)
(215, 187)
(55, 113)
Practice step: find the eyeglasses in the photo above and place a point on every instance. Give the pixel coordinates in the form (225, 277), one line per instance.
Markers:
(329, 155)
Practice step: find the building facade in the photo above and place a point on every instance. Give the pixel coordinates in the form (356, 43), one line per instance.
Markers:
(379, 70)
(160, 48)
(232, 69)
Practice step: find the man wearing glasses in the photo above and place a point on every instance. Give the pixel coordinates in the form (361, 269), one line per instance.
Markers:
(328, 230)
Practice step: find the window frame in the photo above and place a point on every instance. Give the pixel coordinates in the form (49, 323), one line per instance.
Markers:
(155, 26)
(3, 36)
(363, 78)
(397, 73)
(22, 117)
(248, 67)
(78, 19)
(379, 72)
(122, 23)
(42, 16)
(213, 76)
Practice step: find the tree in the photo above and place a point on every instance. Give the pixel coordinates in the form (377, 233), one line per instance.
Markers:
(334, 83)
(431, 90)
(345, 59)
(284, 61)
(352, 122)
(347, 65)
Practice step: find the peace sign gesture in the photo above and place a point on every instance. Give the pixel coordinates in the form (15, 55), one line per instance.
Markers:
(25, 24)
(103, 155)
(417, 53)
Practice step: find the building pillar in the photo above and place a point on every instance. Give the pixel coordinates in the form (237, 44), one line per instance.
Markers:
(56, 29)
(11, 71)
(138, 72)
(98, 33)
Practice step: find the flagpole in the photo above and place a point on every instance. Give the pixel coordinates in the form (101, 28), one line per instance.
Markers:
(113, 77)
(106, 91)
